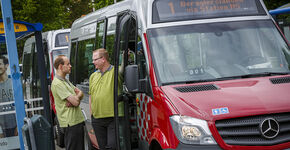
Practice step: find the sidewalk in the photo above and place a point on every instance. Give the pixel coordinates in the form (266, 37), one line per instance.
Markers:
(57, 147)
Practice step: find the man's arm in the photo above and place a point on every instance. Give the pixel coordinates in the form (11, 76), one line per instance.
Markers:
(90, 103)
(75, 100)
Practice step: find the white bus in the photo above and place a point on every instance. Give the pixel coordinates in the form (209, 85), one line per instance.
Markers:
(205, 74)
(54, 43)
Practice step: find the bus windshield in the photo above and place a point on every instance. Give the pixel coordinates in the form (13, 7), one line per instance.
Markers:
(203, 52)
(57, 52)
(62, 39)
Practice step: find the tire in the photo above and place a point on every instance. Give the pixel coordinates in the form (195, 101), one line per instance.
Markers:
(58, 134)
(155, 146)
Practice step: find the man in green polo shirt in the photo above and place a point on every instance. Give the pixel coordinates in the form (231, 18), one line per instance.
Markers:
(101, 99)
(67, 100)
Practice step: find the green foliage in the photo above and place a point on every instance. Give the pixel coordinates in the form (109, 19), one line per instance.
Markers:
(103, 3)
(273, 4)
(76, 9)
(50, 13)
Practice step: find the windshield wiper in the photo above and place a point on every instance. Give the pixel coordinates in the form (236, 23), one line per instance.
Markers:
(261, 74)
(188, 82)
(200, 81)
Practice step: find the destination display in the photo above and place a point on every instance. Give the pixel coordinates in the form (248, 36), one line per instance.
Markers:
(175, 10)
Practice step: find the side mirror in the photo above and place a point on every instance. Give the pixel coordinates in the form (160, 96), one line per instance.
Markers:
(132, 81)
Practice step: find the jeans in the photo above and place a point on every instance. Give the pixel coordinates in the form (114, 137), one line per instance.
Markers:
(74, 137)
(104, 129)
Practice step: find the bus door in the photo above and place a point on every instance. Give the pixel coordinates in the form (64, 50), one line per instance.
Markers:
(31, 79)
(124, 103)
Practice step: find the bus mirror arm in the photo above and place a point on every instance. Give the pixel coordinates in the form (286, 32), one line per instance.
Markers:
(132, 81)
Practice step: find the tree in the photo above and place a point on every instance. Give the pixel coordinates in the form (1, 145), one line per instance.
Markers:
(273, 4)
(77, 8)
(103, 3)
(50, 13)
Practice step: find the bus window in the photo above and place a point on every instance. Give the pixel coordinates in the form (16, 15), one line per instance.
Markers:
(140, 59)
(202, 53)
(27, 71)
(35, 74)
(46, 57)
(72, 76)
(110, 37)
(286, 30)
(62, 39)
(57, 52)
(284, 24)
(83, 60)
(283, 21)
(100, 34)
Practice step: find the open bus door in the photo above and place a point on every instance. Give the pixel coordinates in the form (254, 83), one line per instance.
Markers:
(124, 103)
(12, 106)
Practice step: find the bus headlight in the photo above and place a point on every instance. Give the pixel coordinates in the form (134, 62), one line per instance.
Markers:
(191, 130)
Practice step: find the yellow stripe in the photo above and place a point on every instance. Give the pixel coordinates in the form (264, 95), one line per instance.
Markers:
(17, 27)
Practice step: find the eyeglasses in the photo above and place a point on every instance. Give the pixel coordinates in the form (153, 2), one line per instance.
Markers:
(97, 58)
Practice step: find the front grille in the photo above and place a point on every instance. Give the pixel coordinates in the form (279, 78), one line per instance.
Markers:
(246, 131)
(280, 80)
(197, 88)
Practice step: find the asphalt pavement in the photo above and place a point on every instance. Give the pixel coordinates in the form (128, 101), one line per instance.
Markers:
(57, 147)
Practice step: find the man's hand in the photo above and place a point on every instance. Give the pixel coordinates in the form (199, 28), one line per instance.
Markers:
(68, 104)
(77, 90)
(75, 100)
(79, 93)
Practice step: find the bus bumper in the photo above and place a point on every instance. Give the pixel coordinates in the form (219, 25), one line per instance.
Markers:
(182, 146)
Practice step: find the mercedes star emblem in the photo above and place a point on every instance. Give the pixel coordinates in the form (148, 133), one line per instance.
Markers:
(269, 128)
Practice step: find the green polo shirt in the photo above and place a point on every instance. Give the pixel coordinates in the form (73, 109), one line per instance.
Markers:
(101, 90)
(67, 116)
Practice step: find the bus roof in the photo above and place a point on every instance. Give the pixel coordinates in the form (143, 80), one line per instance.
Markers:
(84, 26)
(152, 15)
(46, 36)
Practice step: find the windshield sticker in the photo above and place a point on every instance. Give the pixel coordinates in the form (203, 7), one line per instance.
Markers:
(196, 71)
(220, 111)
